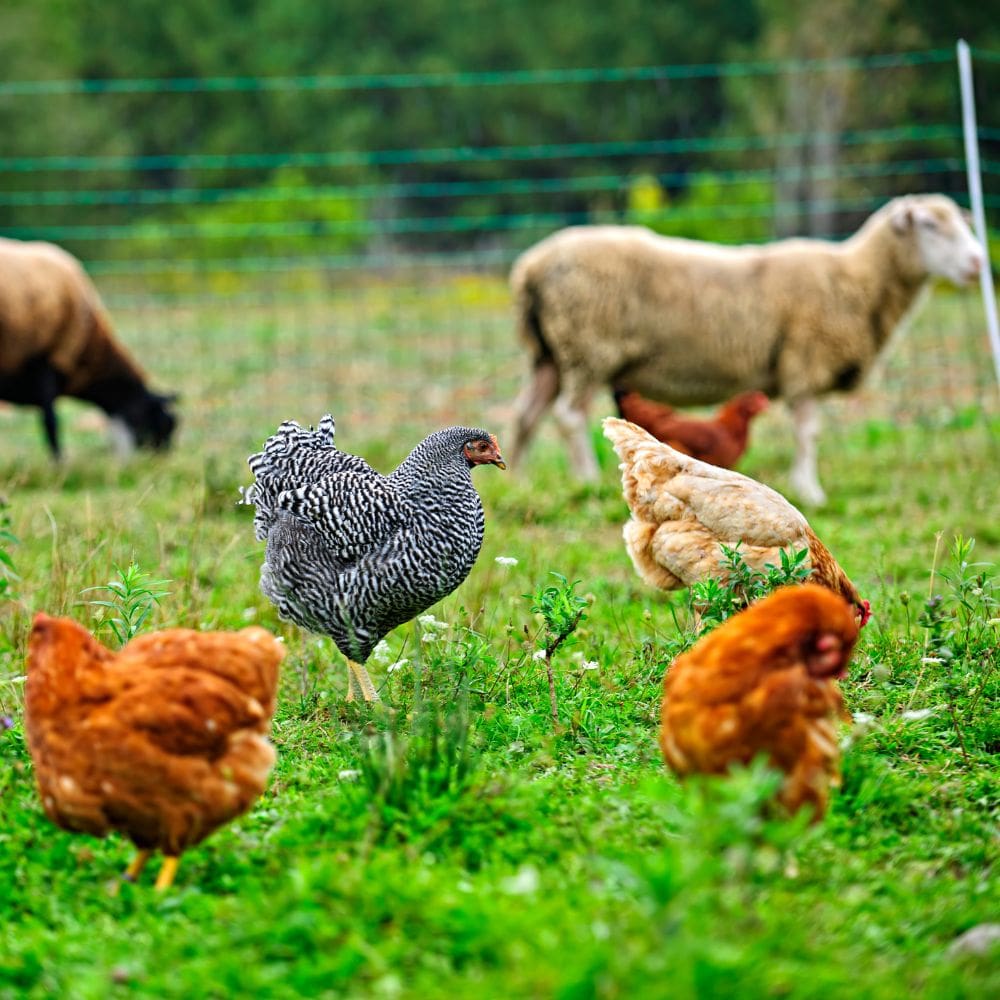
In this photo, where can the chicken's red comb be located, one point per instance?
(866, 613)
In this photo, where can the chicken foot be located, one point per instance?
(165, 879)
(359, 683)
(134, 870)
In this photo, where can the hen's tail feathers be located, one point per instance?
(647, 465)
(62, 640)
(292, 457)
(634, 444)
(828, 572)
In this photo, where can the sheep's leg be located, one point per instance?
(51, 427)
(48, 391)
(804, 476)
(570, 412)
(531, 404)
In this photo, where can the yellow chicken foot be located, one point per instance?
(360, 683)
(134, 870)
(167, 872)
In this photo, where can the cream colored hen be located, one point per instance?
(683, 509)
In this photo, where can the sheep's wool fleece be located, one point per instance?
(352, 553)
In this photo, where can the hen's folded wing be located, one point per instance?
(352, 513)
(184, 712)
(740, 509)
(248, 659)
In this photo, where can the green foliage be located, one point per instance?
(710, 602)
(412, 781)
(286, 216)
(708, 209)
(555, 861)
(132, 598)
(8, 573)
(562, 610)
(962, 638)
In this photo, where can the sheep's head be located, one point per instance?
(149, 419)
(944, 243)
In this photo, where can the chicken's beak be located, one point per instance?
(498, 461)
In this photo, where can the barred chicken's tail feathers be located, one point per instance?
(291, 458)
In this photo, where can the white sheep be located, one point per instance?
(56, 340)
(692, 323)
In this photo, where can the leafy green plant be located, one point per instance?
(411, 781)
(962, 636)
(711, 208)
(711, 602)
(7, 539)
(132, 597)
(562, 610)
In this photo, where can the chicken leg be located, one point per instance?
(134, 870)
(168, 870)
(359, 683)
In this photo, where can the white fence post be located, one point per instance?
(976, 196)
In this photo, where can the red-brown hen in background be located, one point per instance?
(764, 682)
(720, 440)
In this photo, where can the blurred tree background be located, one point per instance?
(341, 149)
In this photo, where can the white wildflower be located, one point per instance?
(916, 714)
(538, 654)
(430, 622)
(863, 718)
(524, 883)
(931, 659)
(381, 652)
(506, 561)
(590, 665)
(398, 665)
(349, 774)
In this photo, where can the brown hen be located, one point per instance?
(720, 440)
(764, 683)
(163, 741)
(683, 510)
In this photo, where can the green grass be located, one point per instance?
(456, 843)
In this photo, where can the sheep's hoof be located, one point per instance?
(808, 491)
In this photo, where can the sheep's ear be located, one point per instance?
(903, 217)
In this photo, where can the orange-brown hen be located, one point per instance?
(764, 683)
(720, 440)
(683, 510)
(163, 741)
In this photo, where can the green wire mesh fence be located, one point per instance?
(359, 264)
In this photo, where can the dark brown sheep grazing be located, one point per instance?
(56, 340)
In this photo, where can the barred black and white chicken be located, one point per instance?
(352, 553)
